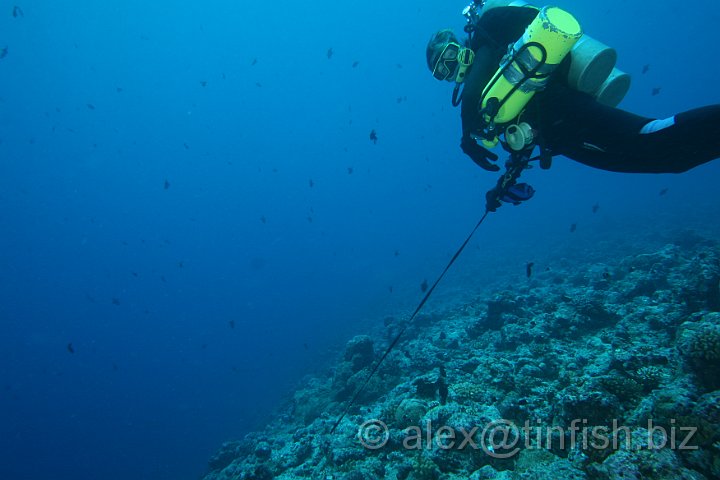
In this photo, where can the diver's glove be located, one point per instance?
(515, 194)
(492, 200)
(479, 154)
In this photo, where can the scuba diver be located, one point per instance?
(528, 77)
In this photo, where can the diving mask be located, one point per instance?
(453, 63)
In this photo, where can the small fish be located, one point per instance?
(645, 68)
(528, 269)
(115, 301)
(70, 348)
(330, 53)
(311, 183)
(3, 52)
(119, 89)
(258, 84)
(350, 170)
(91, 106)
(263, 219)
(166, 185)
(373, 136)
(232, 323)
(390, 288)
(397, 253)
(595, 208)
(17, 12)
(424, 286)
(573, 227)
(203, 83)
(606, 275)
(355, 64)
(305, 346)
(656, 91)
(254, 62)
(134, 274)
(663, 191)
(187, 147)
(181, 264)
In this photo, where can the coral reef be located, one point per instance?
(609, 370)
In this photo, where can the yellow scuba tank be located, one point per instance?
(527, 66)
(592, 64)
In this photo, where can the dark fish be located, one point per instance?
(181, 264)
(305, 346)
(119, 89)
(355, 64)
(397, 253)
(232, 323)
(3, 52)
(606, 275)
(203, 83)
(373, 136)
(134, 274)
(424, 286)
(254, 62)
(70, 348)
(390, 288)
(258, 84)
(573, 227)
(115, 301)
(645, 68)
(91, 106)
(528, 269)
(17, 12)
(263, 219)
(187, 147)
(595, 208)
(663, 191)
(350, 170)
(166, 185)
(311, 183)
(656, 91)
(330, 53)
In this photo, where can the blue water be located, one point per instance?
(177, 206)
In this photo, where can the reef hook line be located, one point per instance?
(407, 324)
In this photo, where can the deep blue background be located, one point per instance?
(101, 103)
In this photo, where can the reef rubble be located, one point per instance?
(608, 370)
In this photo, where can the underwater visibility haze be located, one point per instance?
(202, 203)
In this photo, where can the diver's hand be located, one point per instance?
(492, 202)
(479, 154)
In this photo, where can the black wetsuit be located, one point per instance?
(574, 124)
